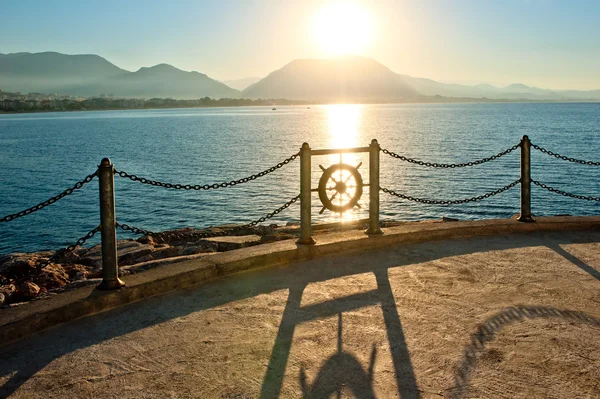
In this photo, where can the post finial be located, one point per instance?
(374, 142)
(305, 146)
(105, 162)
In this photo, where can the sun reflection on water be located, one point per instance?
(344, 122)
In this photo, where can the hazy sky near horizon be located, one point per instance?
(545, 43)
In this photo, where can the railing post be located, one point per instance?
(526, 181)
(374, 228)
(108, 226)
(305, 196)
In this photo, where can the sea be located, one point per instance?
(42, 154)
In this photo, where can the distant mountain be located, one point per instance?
(240, 84)
(348, 78)
(162, 81)
(92, 75)
(517, 91)
(51, 72)
(363, 79)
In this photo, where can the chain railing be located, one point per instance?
(214, 186)
(563, 157)
(207, 234)
(49, 201)
(108, 224)
(68, 249)
(450, 165)
(564, 193)
(450, 202)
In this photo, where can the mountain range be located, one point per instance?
(338, 79)
(92, 75)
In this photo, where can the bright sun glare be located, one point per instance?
(342, 28)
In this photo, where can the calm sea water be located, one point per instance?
(43, 154)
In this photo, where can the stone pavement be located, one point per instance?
(507, 316)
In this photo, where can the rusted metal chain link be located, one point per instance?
(557, 191)
(69, 248)
(50, 201)
(207, 186)
(450, 165)
(136, 230)
(450, 202)
(564, 158)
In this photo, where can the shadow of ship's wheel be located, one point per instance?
(340, 187)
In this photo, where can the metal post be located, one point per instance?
(108, 226)
(526, 181)
(305, 194)
(374, 189)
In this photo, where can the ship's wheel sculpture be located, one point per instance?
(340, 187)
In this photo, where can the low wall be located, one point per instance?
(32, 317)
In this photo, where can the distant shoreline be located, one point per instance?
(309, 104)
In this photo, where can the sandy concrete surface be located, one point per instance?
(500, 317)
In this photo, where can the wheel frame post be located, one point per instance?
(374, 150)
(526, 216)
(305, 196)
(108, 227)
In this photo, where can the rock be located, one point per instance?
(128, 244)
(51, 277)
(94, 262)
(168, 252)
(146, 240)
(268, 238)
(202, 249)
(2, 299)
(76, 272)
(26, 291)
(229, 243)
(8, 290)
(131, 253)
(17, 265)
(94, 252)
(291, 224)
(445, 219)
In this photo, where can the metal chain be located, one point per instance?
(450, 165)
(565, 158)
(136, 230)
(207, 186)
(450, 202)
(557, 191)
(69, 248)
(50, 201)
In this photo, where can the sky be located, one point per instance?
(545, 43)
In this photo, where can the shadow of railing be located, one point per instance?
(341, 368)
(488, 329)
(22, 360)
(575, 260)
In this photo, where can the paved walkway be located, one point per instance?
(515, 316)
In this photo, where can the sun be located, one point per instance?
(342, 28)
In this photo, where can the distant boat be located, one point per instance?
(274, 109)
(307, 107)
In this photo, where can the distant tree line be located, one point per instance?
(17, 102)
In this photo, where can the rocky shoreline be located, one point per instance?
(20, 280)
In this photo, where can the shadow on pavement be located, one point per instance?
(487, 331)
(25, 358)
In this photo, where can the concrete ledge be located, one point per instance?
(32, 317)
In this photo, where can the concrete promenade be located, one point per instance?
(503, 316)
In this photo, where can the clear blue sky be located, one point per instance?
(546, 43)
